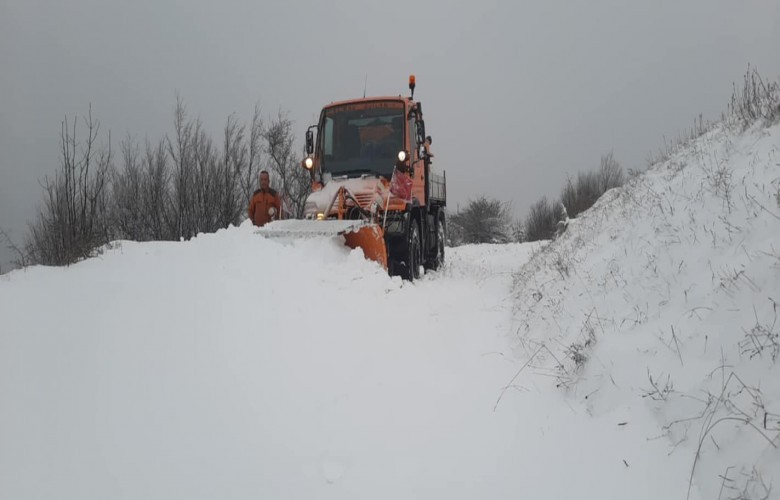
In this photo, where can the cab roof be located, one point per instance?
(401, 98)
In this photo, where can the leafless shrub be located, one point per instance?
(294, 182)
(210, 187)
(230, 202)
(127, 210)
(205, 186)
(159, 221)
(753, 487)
(202, 178)
(581, 195)
(569, 198)
(518, 231)
(21, 256)
(736, 402)
(73, 221)
(731, 279)
(660, 389)
(542, 221)
(578, 352)
(561, 264)
(755, 100)
(719, 176)
(722, 184)
(181, 151)
(250, 175)
(181, 186)
(610, 173)
(762, 337)
(482, 221)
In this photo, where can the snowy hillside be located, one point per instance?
(659, 309)
(592, 367)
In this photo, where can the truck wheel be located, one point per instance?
(441, 238)
(411, 270)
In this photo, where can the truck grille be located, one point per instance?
(365, 200)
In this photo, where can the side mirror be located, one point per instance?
(420, 132)
(309, 141)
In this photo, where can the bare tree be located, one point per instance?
(159, 218)
(542, 221)
(180, 151)
(294, 181)
(127, 210)
(610, 173)
(250, 175)
(211, 187)
(21, 256)
(145, 198)
(518, 231)
(74, 218)
(203, 184)
(234, 164)
(569, 198)
(581, 195)
(180, 186)
(588, 191)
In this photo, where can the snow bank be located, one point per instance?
(232, 366)
(661, 304)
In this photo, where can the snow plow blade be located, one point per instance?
(357, 234)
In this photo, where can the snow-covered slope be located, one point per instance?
(659, 308)
(231, 366)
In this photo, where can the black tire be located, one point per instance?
(441, 238)
(411, 267)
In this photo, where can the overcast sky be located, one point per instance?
(517, 95)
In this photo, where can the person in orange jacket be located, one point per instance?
(265, 204)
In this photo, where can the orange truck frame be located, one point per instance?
(370, 163)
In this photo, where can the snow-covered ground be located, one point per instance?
(596, 366)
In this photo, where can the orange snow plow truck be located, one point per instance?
(373, 184)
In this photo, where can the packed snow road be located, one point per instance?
(235, 367)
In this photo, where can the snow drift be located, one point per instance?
(660, 306)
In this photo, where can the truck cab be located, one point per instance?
(371, 160)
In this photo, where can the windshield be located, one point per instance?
(362, 138)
